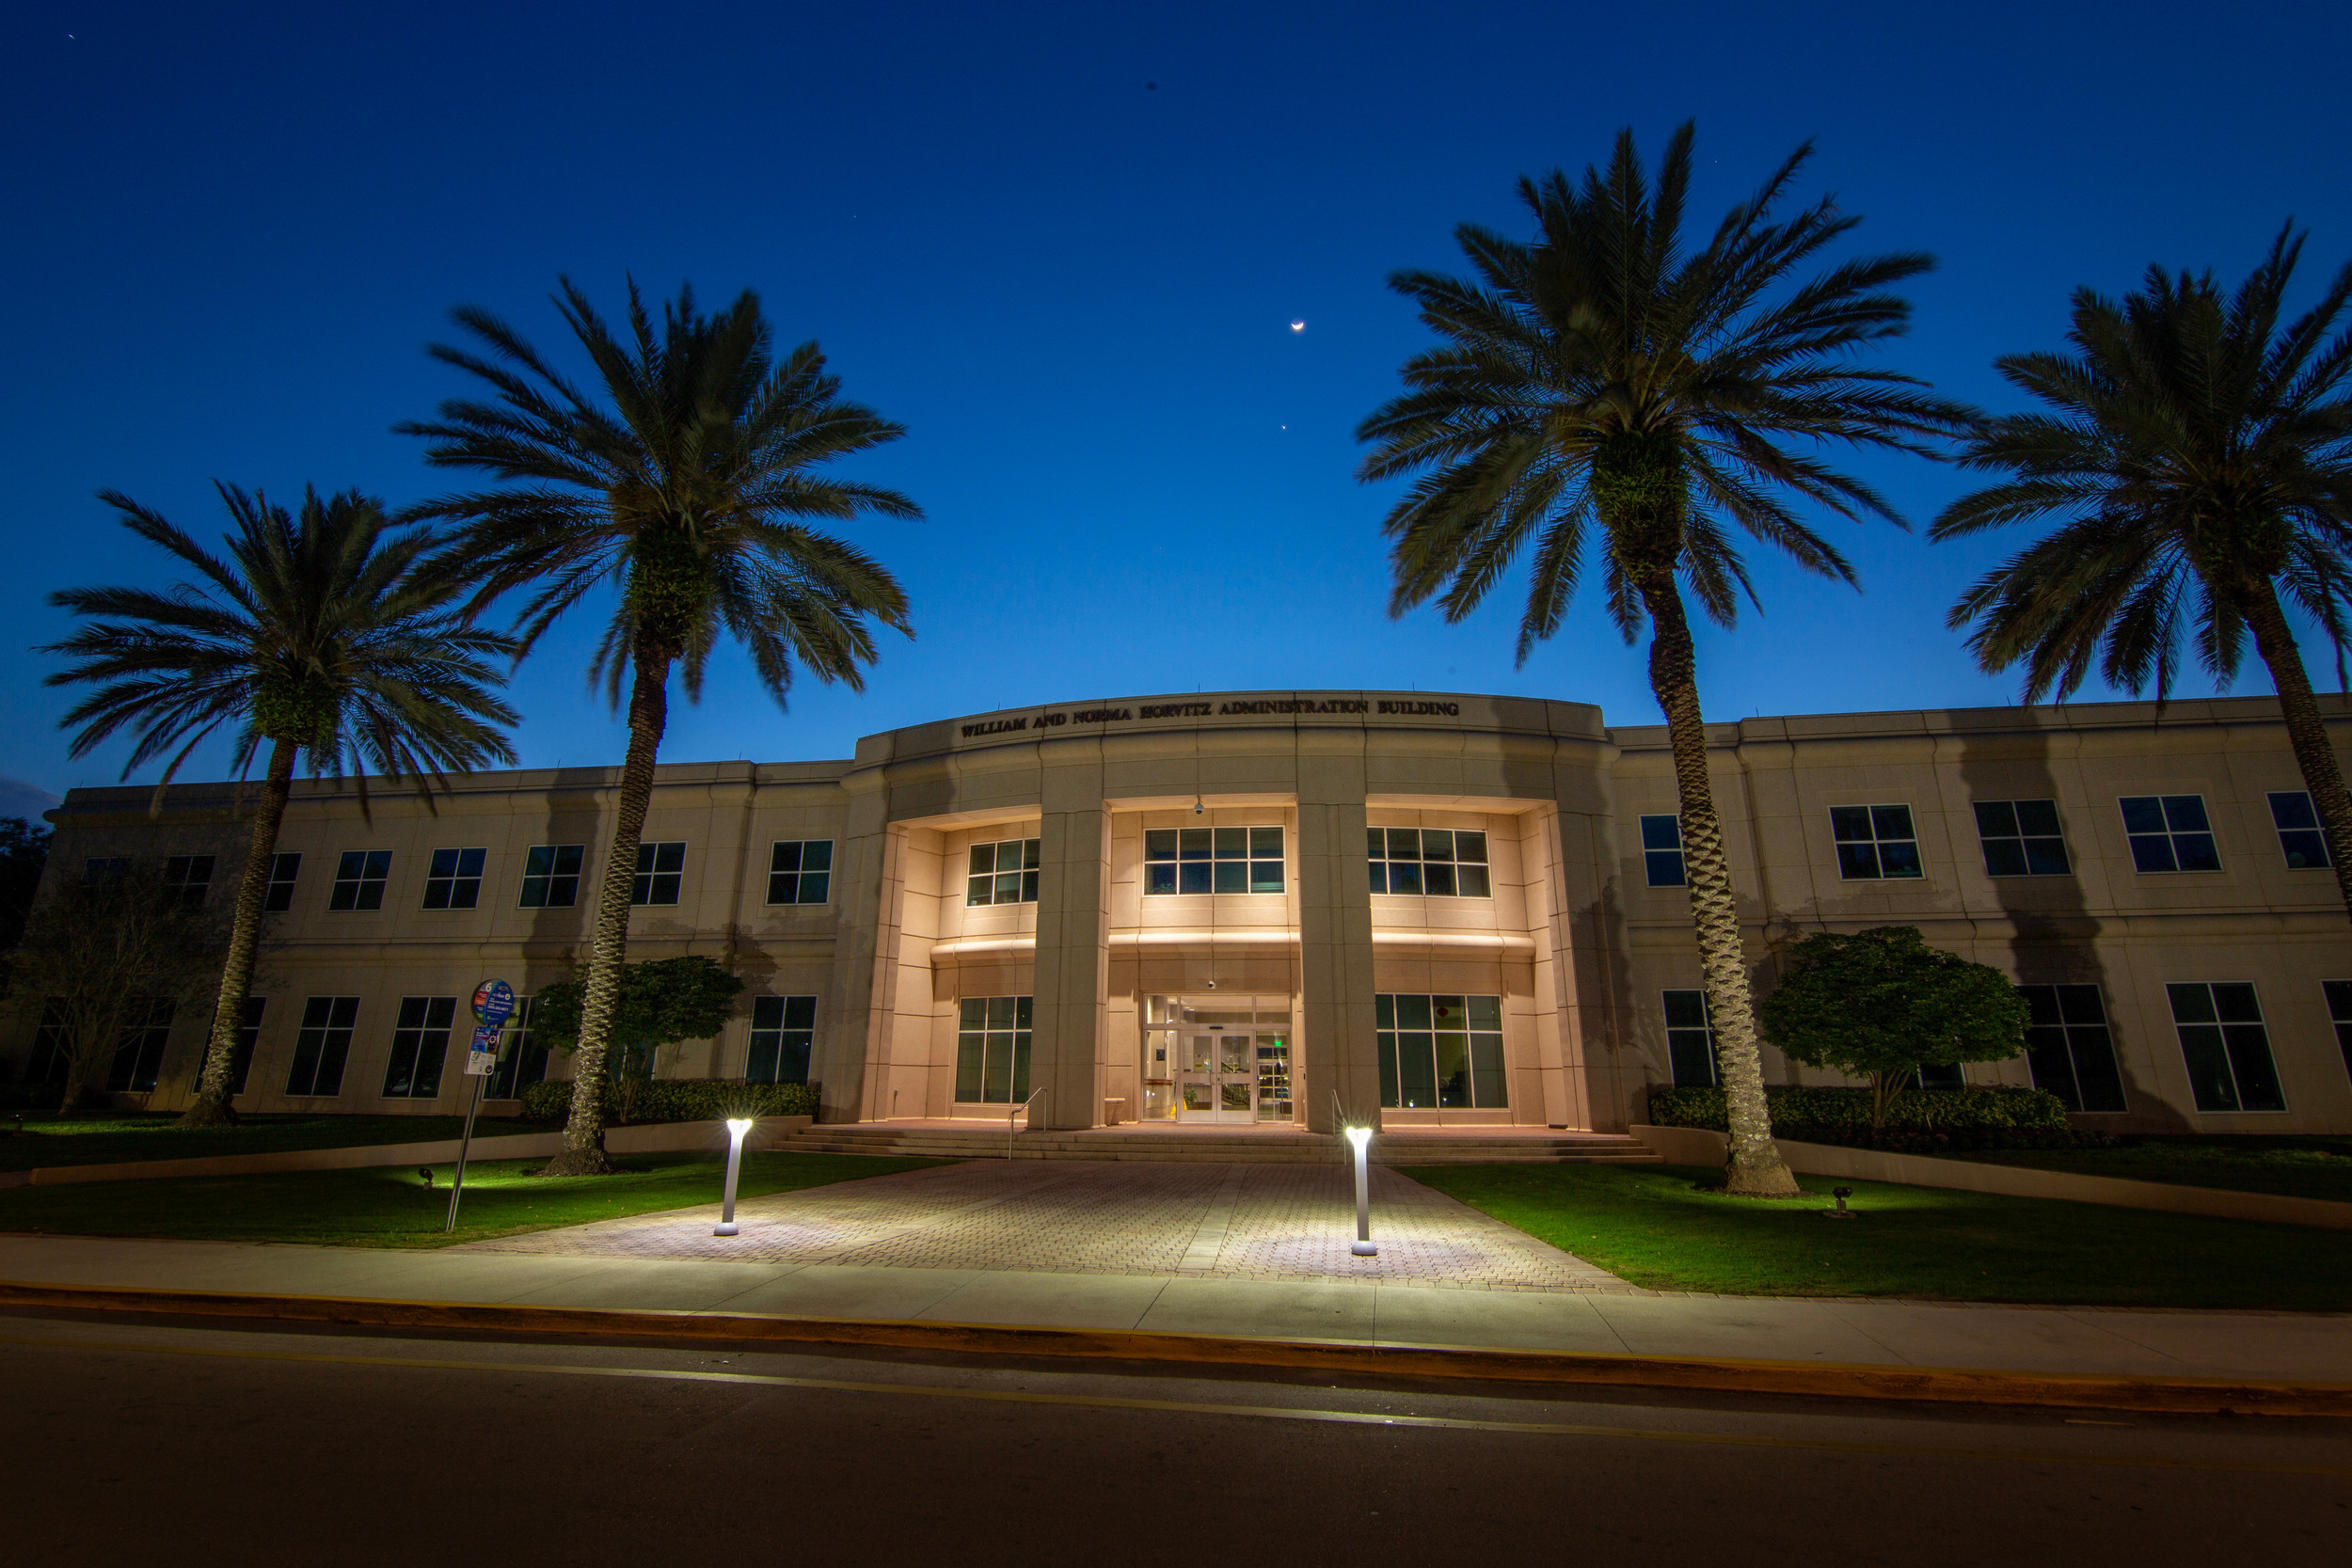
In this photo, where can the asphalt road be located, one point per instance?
(194, 1445)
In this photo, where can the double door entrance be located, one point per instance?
(1217, 1058)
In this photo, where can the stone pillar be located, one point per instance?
(1337, 1034)
(1073, 930)
(854, 1014)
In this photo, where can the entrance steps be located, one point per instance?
(1413, 1146)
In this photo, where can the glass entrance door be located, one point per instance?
(1218, 1081)
(1217, 1058)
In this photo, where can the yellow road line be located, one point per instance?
(1262, 1412)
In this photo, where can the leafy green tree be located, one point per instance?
(663, 1003)
(687, 481)
(1881, 1003)
(2194, 457)
(24, 851)
(317, 635)
(1608, 391)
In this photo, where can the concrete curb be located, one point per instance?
(1835, 1379)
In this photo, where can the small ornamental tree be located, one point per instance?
(663, 1002)
(1881, 1003)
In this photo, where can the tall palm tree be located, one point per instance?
(317, 634)
(1606, 389)
(2196, 460)
(684, 480)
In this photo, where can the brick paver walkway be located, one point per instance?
(1199, 1221)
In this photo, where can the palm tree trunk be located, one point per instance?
(583, 1135)
(2307, 732)
(1756, 1170)
(211, 1107)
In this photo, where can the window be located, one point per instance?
(51, 1060)
(1213, 860)
(2299, 838)
(190, 874)
(1874, 842)
(2069, 1048)
(782, 1030)
(1440, 1050)
(279, 894)
(552, 875)
(359, 880)
(140, 1056)
(420, 1045)
(520, 1064)
(455, 880)
(104, 868)
(2168, 832)
(993, 1050)
(2022, 838)
(800, 871)
(660, 869)
(2340, 1012)
(1662, 851)
(1691, 1039)
(249, 1037)
(2227, 1047)
(322, 1046)
(1434, 863)
(1002, 873)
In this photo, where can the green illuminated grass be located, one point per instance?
(1661, 1227)
(391, 1208)
(105, 1138)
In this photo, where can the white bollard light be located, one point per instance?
(737, 1127)
(1361, 1138)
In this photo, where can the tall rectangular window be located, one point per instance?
(419, 1046)
(248, 1039)
(2022, 838)
(993, 1050)
(322, 1046)
(1004, 872)
(1213, 860)
(1691, 1040)
(552, 875)
(189, 876)
(800, 871)
(455, 881)
(660, 868)
(2070, 1049)
(2168, 832)
(2227, 1047)
(359, 880)
(784, 1030)
(520, 1063)
(279, 896)
(1662, 851)
(2340, 1012)
(1435, 862)
(50, 1061)
(1444, 1052)
(2299, 837)
(140, 1057)
(103, 868)
(1874, 842)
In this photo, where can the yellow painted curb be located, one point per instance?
(1831, 1380)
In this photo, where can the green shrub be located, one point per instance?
(676, 1099)
(1921, 1121)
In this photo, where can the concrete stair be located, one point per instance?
(1208, 1146)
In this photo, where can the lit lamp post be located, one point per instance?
(1360, 1139)
(737, 1127)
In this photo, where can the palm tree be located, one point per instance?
(1605, 388)
(316, 634)
(686, 486)
(2197, 461)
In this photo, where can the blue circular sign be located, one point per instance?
(493, 1002)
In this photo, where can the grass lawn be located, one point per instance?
(106, 1137)
(2297, 1167)
(390, 1207)
(1660, 1227)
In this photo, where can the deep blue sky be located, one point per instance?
(227, 231)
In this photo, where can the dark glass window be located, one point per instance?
(1003, 872)
(322, 1046)
(784, 1030)
(800, 871)
(2022, 838)
(50, 1061)
(419, 1046)
(1691, 1040)
(359, 880)
(248, 1036)
(660, 868)
(552, 875)
(283, 869)
(2170, 832)
(455, 881)
(1213, 860)
(520, 1063)
(1435, 862)
(1444, 1052)
(1662, 851)
(2070, 1048)
(991, 1050)
(140, 1057)
(103, 868)
(189, 876)
(2340, 1012)
(2299, 838)
(2227, 1047)
(1874, 842)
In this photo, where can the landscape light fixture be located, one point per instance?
(426, 1171)
(737, 1127)
(1841, 1212)
(1360, 1138)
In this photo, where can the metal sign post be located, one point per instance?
(493, 1004)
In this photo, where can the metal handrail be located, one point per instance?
(1012, 1114)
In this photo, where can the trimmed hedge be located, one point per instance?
(1920, 1122)
(677, 1099)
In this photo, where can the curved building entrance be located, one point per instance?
(1219, 1058)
